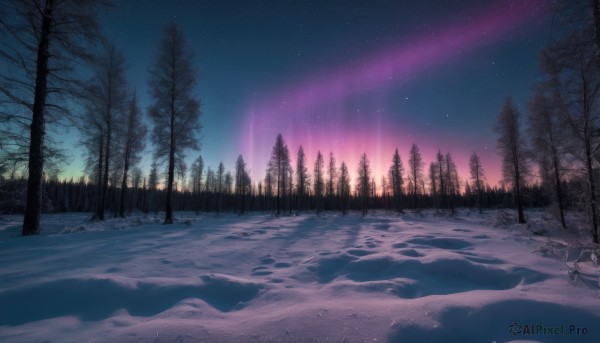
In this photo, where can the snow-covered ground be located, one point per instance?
(261, 278)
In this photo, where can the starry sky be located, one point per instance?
(347, 77)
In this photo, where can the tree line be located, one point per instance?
(62, 71)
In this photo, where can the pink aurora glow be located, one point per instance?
(317, 112)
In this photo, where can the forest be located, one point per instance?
(61, 71)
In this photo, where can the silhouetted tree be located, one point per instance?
(278, 168)
(331, 180)
(363, 184)
(452, 185)
(397, 180)
(176, 110)
(415, 166)
(41, 45)
(511, 149)
(548, 140)
(242, 182)
(344, 187)
(433, 183)
(319, 185)
(134, 145)
(478, 178)
(302, 179)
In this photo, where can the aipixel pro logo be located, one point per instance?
(537, 329)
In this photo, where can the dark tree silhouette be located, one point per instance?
(242, 182)
(452, 185)
(344, 187)
(548, 140)
(46, 41)
(319, 185)
(478, 178)
(302, 179)
(176, 110)
(397, 180)
(415, 166)
(363, 184)
(433, 184)
(135, 138)
(278, 168)
(331, 180)
(512, 151)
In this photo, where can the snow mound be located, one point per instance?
(94, 299)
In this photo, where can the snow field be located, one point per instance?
(261, 278)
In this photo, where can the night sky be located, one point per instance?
(343, 76)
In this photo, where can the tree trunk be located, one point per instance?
(124, 187)
(592, 190)
(99, 180)
(170, 178)
(33, 207)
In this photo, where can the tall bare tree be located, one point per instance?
(548, 140)
(511, 148)
(176, 109)
(106, 96)
(477, 177)
(415, 166)
(41, 42)
(135, 138)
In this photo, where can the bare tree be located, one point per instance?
(415, 165)
(105, 95)
(176, 110)
(41, 42)
(433, 184)
(153, 181)
(135, 137)
(548, 140)
(478, 178)
(319, 185)
(511, 148)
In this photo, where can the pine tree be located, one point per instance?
(331, 180)
(397, 180)
(302, 179)
(363, 186)
(278, 169)
(344, 187)
(319, 185)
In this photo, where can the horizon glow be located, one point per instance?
(320, 112)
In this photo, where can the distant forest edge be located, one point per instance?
(55, 55)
